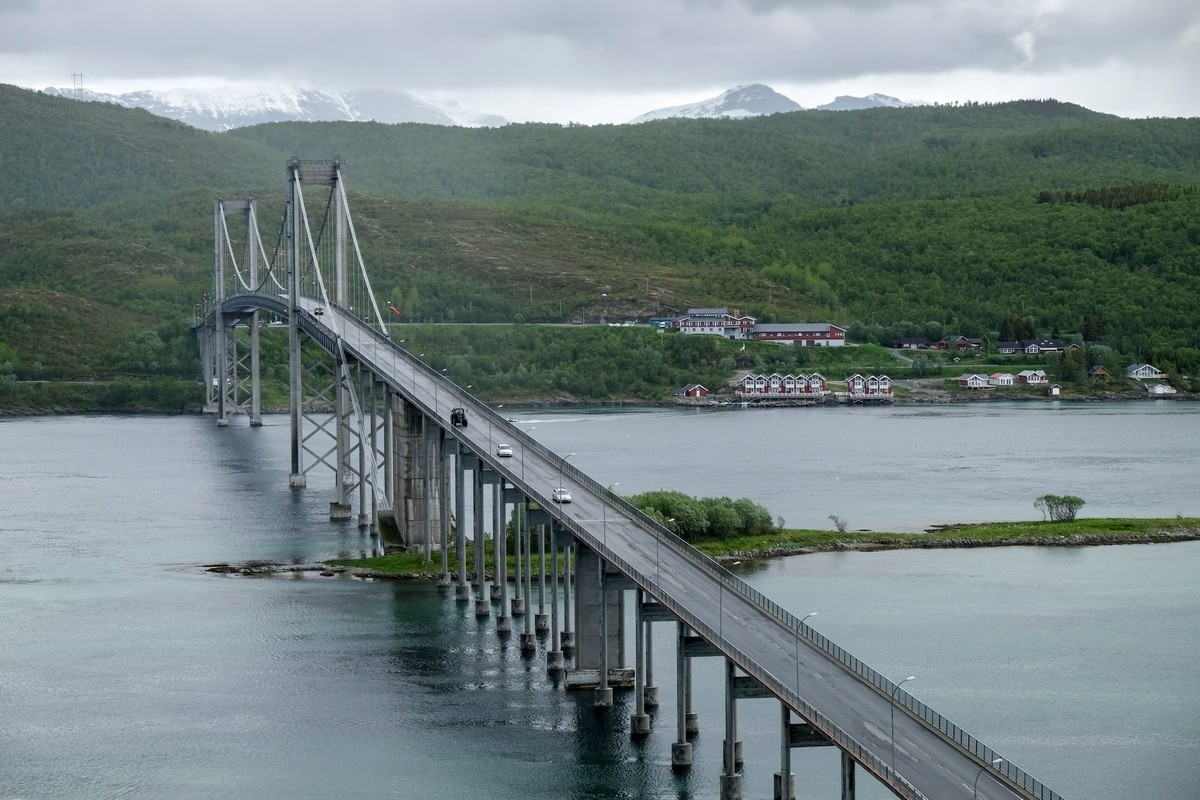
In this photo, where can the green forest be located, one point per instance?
(981, 219)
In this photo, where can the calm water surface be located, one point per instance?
(126, 671)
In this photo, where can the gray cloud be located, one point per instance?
(611, 48)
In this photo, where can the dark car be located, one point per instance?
(458, 417)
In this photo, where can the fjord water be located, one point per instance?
(128, 671)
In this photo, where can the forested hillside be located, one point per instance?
(912, 221)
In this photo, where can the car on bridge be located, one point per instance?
(561, 495)
(504, 451)
(458, 417)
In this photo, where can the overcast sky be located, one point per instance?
(602, 61)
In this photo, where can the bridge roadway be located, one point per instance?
(845, 700)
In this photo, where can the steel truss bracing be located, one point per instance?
(315, 268)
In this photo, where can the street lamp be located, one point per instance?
(604, 511)
(806, 616)
(562, 461)
(975, 791)
(893, 710)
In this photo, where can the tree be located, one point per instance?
(1059, 508)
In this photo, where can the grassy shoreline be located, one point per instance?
(1077, 533)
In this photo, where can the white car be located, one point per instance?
(561, 495)
(504, 451)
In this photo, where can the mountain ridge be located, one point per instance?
(222, 109)
(225, 108)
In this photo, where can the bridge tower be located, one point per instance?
(231, 354)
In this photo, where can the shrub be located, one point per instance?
(1059, 508)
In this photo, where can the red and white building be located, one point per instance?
(717, 321)
(805, 334)
(1031, 376)
(973, 380)
(783, 386)
(869, 386)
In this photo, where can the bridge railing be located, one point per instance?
(664, 537)
(781, 687)
(864, 671)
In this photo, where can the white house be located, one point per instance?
(1001, 379)
(716, 321)
(1160, 388)
(1143, 372)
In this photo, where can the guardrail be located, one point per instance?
(804, 633)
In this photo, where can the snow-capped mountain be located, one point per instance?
(220, 109)
(754, 100)
(844, 102)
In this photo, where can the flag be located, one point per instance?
(394, 310)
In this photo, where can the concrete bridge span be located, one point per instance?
(393, 443)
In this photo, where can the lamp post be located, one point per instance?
(975, 790)
(893, 711)
(806, 616)
(562, 461)
(604, 512)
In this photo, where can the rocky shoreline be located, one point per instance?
(266, 569)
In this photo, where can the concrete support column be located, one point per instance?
(541, 620)
(518, 601)
(568, 633)
(365, 515)
(604, 693)
(599, 619)
(731, 779)
(255, 368)
(847, 776)
(409, 501)
(498, 576)
(785, 779)
(462, 589)
(639, 723)
(681, 748)
(554, 654)
(503, 618)
(528, 638)
(449, 450)
(649, 690)
(339, 506)
(483, 594)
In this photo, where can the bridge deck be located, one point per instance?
(852, 706)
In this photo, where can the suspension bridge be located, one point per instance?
(380, 420)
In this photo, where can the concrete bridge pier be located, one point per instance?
(785, 779)
(568, 633)
(483, 592)
(500, 549)
(681, 748)
(528, 638)
(518, 504)
(554, 653)
(639, 722)
(649, 690)
(599, 623)
(847, 776)
(418, 461)
(255, 357)
(449, 450)
(604, 693)
(541, 620)
(466, 461)
(731, 779)
(343, 477)
(499, 568)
